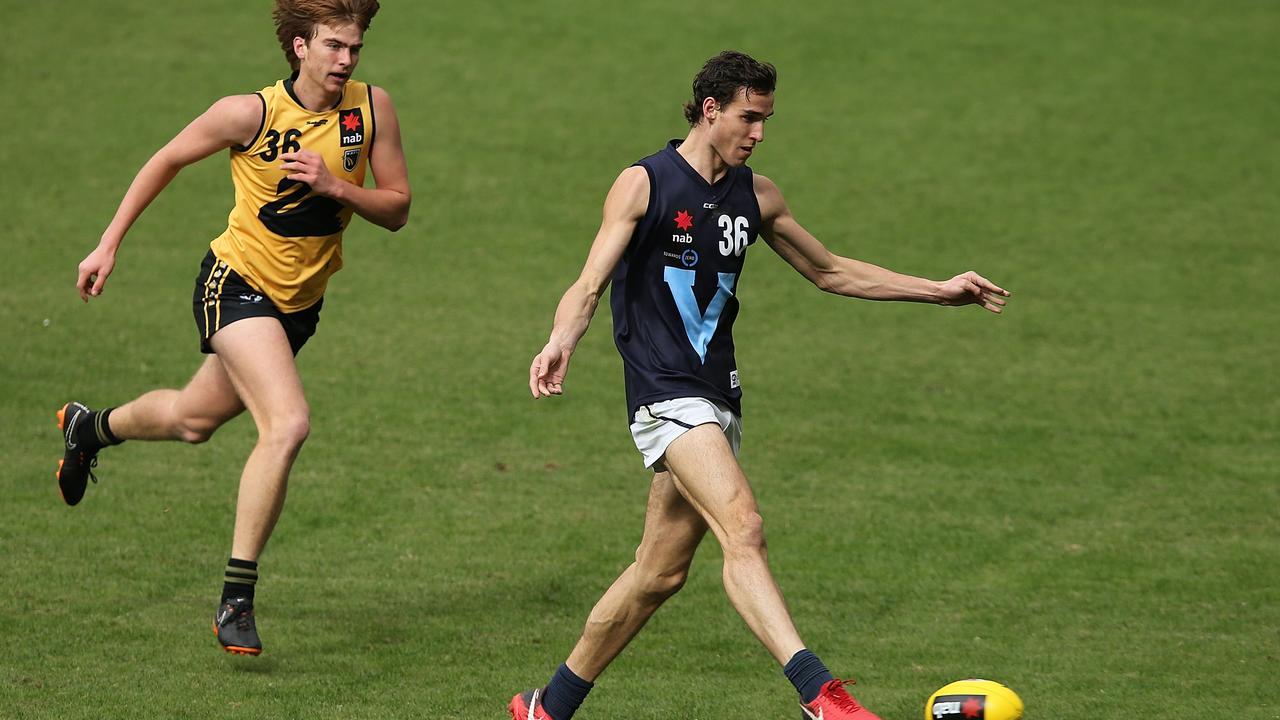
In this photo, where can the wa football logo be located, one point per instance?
(352, 123)
(350, 157)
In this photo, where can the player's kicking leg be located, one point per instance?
(259, 362)
(708, 475)
(672, 531)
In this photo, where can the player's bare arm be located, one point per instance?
(386, 204)
(854, 278)
(623, 208)
(230, 121)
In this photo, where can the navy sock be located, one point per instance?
(565, 692)
(807, 673)
(240, 579)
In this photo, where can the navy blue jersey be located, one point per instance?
(674, 291)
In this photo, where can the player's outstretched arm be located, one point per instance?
(854, 278)
(230, 121)
(623, 208)
(386, 204)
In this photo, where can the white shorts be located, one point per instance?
(657, 425)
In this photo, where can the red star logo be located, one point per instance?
(684, 220)
(350, 121)
(972, 708)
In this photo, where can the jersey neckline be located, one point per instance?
(288, 88)
(674, 145)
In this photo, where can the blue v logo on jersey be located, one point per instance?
(698, 326)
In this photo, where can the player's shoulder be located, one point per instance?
(633, 177)
(247, 103)
(768, 196)
(240, 115)
(629, 195)
(763, 184)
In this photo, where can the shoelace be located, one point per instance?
(242, 620)
(841, 697)
(93, 463)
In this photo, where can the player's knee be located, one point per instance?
(291, 429)
(197, 430)
(746, 534)
(660, 585)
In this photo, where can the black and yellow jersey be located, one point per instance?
(282, 237)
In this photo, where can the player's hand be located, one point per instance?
(972, 289)
(546, 373)
(308, 167)
(94, 271)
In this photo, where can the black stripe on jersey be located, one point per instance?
(684, 425)
(262, 125)
(288, 87)
(373, 123)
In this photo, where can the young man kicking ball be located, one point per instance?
(674, 236)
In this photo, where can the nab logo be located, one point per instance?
(352, 122)
(683, 221)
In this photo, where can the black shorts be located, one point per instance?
(222, 297)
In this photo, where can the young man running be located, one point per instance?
(673, 239)
(299, 150)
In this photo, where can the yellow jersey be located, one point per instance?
(284, 239)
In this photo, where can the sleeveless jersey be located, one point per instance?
(674, 291)
(281, 237)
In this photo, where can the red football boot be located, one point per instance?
(527, 706)
(835, 703)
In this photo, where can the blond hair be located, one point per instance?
(299, 18)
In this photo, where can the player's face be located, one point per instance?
(331, 56)
(739, 126)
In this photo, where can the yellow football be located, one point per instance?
(973, 699)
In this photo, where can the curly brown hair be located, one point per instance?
(299, 18)
(721, 77)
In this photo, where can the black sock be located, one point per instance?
(807, 673)
(565, 692)
(239, 580)
(98, 430)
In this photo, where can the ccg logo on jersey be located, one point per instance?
(352, 125)
(959, 707)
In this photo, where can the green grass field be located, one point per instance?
(1078, 498)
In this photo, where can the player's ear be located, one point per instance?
(300, 48)
(710, 108)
